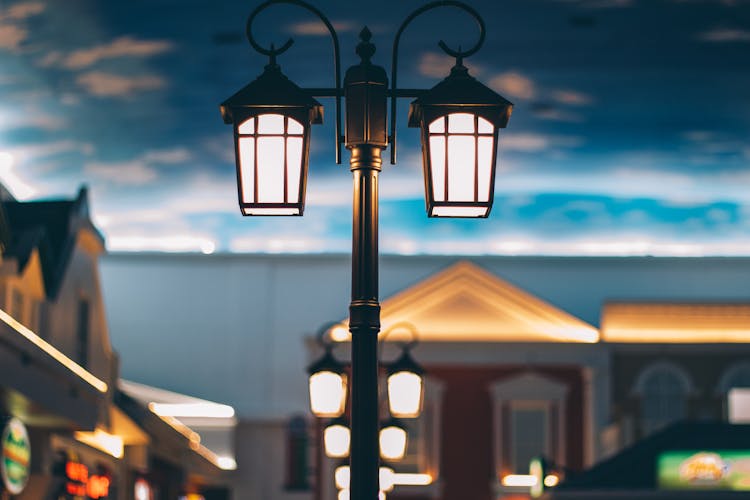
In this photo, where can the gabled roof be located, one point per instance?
(51, 226)
(465, 303)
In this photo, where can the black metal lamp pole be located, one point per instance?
(272, 114)
(365, 87)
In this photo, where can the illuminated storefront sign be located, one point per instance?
(16, 456)
(704, 470)
(81, 484)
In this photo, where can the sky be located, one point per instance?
(630, 133)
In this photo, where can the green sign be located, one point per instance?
(704, 470)
(16, 456)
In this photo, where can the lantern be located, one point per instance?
(272, 118)
(327, 384)
(405, 387)
(393, 440)
(459, 118)
(337, 438)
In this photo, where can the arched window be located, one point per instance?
(734, 387)
(663, 389)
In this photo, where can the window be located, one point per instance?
(82, 338)
(663, 389)
(530, 434)
(734, 386)
(528, 421)
(297, 449)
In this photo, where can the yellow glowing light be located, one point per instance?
(340, 333)
(192, 410)
(519, 480)
(71, 365)
(551, 481)
(405, 394)
(102, 441)
(412, 479)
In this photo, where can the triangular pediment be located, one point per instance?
(465, 303)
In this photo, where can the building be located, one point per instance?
(571, 358)
(68, 430)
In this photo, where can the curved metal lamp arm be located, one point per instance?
(458, 54)
(403, 325)
(272, 52)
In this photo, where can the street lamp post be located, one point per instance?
(459, 118)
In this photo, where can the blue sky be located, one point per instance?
(630, 134)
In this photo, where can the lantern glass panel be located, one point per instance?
(405, 394)
(270, 149)
(461, 152)
(392, 442)
(386, 479)
(327, 393)
(337, 439)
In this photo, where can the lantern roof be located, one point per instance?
(272, 90)
(459, 91)
(405, 363)
(326, 363)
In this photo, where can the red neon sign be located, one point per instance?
(81, 484)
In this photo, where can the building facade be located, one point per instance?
(570, 358)
(68, 431)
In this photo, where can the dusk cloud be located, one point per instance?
(725, 35)
(103, 84)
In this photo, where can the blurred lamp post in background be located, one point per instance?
(459, 120)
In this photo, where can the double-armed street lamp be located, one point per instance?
(459, 120)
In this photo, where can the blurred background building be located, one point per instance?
(573, 359)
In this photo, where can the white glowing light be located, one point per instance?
(342, 477)
(405, 394)
(340, 333)
(226, 463)
(392, 443)
(196, 410)
(327, 394)
(519, 480)
(337, 439)
(412, 479)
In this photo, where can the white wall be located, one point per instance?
(229, 328)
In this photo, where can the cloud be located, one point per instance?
(128, 172)
(21, 11)
(103, 84)
(571, 97)
(120, 47)
(12, 35)
(529, 142)
(513, 84)
(436, 65)
(725, 35)
(601, 4)
(168, 156)
(317, 28)
(138, 171)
